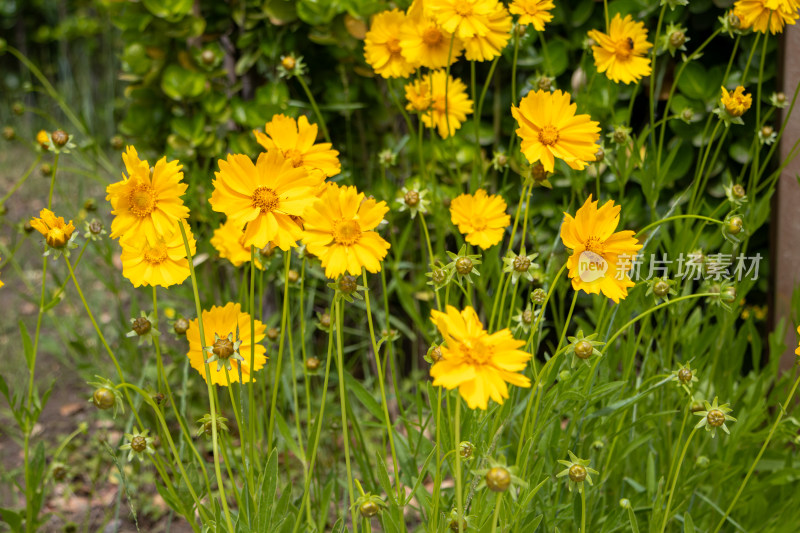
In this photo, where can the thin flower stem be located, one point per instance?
(314, 106)
(343, 400)
(385, 404)
(496, 515)
(431, 257)
(675, 480)
(514, 75)
(238, 415)
(251, 404)
(171, 398)
(459, 500)
(781, 414)
(652, 102)
(437, 479)
(547, 66)
(209, 385)
(583, 510)
(676, 217)
(284, 320)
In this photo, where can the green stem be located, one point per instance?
(314, 106)
(343, 399)
(459, 500)
(251, 404)
(212, 405)
(781, 414)
(284, 319)
(583, 510)
(675, 480)
(497, 505)
(676, 217)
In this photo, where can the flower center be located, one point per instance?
(463, 8)
(265, 199)
(223, 348)
(347, 232)
(393, 45)
(624, 48)
(478, 222)
(155, 255)
(294, 156)
(595, 245)
(142, 200)
(548, 135)
(577, 473)
(521, 263)
(475, 353)
(56, 237)
(432, 36)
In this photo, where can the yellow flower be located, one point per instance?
(160, 261)
(56, 232)
(43, 139)
(481, 217)
(147, 203)
(535, 12)
(488, 46)
(339, 230)
(620, 54)
(382, 48)
(295, 139)
(428, 96)
(736, 102)
(228, 240)
(424, 43)
(464, 18)
(760, 15)
(266, 199)
(476, 363)
(218, 324)
(549, 128)
(600, 258)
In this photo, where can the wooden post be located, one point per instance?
(786, 233)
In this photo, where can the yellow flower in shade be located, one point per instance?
(424, 43)
(57, 233)
(43, 139)
(443, 109)
(763, 15)
(464, 18)
(534, 12)
(228, 240)
(621, 53)
(160, 261)
(601, 257)
(797, 351)
(549, 128)
(488, 46)
(339, 229)
(481, 217)
(478, 364)
(147, 203)
(224, 328)
(266, 198)
(295, 139)
(382, 48)
(736, 102)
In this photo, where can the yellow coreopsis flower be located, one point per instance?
(266, 199)
(228, 240)
(489, 45)
(339, 229)
(481, 217)
(464, 18)
(161, 261)
(57, 233)
(763, 15)
(549, 128)
(478, 364)
(382, 48)
(147, 203)
(621, 52)
(228, 341)
(535, 12)
(425, 43)
(295, 139)
(601, 257)
(43, 139)
(441, 100)
(736, 103)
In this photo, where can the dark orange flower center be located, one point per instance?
(463, 8)
(475, 353)
(624, 48)
(142, 200)
(155, 255)
(548, 135)
(594, 244)
(478, 222)
(347, 232)
(393, 45)
(432, 36)
(265, 199)
(294, 156)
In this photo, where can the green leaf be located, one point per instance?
(688, 523)
(366, 399)
(383, 479)
(12, 518)
(169, 9)
(267, 485)
(179, 83)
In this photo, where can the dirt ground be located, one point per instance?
(87, 496)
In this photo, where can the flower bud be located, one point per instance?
(348, 284)
(521, 263)
(780, 98)
(538, 296)
(60, 138)
(527, 316)
(766, 131)
(272, 334)
(325, 320)
(411, 198)
(584, 349)
(599, 155)
(728, 294)
(46, 170)
(207, 57)
(9, 133)
(288, 62)
(685, 375)
(436, 354)
(117, 142)
(677, 39)
(625, 503)
(738, 191)
(538, 173)
(734, 21)
(312, 364)
(661, 288)
(466, 449)
(464, 265)
(687, 114)
(103, 398)
(369, 509)
(439, 276)
(181, 326)
(715, 418)
(141, 326)
(545, 83)
(703, 461)
(577, 473)
(293, 276)
(138, 444)
(95, 227)
(498, 479)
